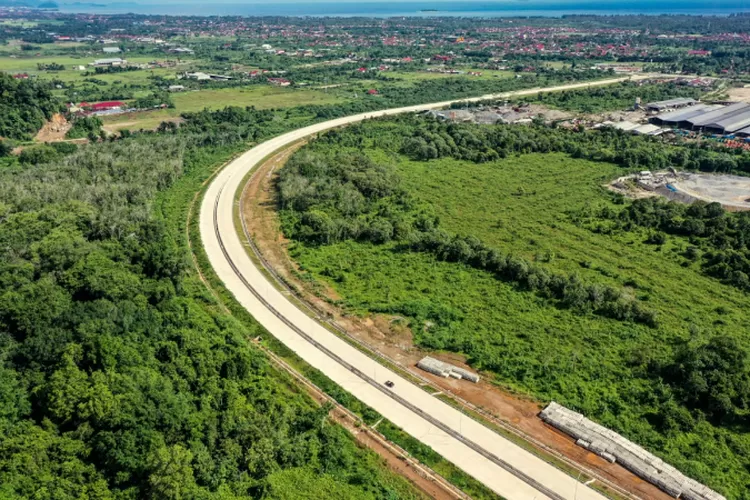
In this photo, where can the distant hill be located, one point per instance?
(29, 4)
(16, 3)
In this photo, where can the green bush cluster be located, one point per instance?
(435, 139)
(614, 97)
(119, 378)
(85, 126)
(332, 194)
(719, 239)
(570, 290)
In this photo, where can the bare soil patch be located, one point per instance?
(739, 94)
(54, 130)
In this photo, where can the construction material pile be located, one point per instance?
(442, 369)
(615, 448)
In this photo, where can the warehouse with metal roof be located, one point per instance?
(674, 118)
(720, 115)
(679, 102)
(733, 123)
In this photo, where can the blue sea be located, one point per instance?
(471, 8)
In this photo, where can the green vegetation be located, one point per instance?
(261, 97)
(24, 107)
(718, 238)
(120, 376)
(611, 98)
(85, 127)
(355, 201)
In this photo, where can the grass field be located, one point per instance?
(417, 76)
(28, 65)
(530, 205)
(264, 97)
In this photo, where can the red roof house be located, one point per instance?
(101, 106)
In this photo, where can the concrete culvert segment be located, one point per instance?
(615, 448)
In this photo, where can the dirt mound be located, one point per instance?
(54, 130)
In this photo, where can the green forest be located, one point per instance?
(499, 243)
(120, 375)
(24, 107)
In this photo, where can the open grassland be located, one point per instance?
(28, 63)
(532, 206)
(265, 97)
(262, 97)
(417, 76)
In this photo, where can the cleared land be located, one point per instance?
(262, 97)
(731, 191)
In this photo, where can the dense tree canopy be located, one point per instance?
(117, 378)
(24, 106)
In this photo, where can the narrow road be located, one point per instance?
(501, 465)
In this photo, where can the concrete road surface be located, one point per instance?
(504, 467)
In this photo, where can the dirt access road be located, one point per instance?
(501, 465)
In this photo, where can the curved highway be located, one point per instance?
(501, 465)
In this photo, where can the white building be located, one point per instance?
(112, 61)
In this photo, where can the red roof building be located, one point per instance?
(372, 92)
(101, 106)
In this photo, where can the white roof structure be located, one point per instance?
(625, 125)
(679, 102)
(648, 129)
(675, 117)
(731, 123)
(437, 367)
(111, 60)
(719, 114)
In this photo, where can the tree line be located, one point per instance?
(25, 106)
(330, 193)
(478, 143)
(718, 240)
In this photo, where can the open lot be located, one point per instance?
(425, 75)
(260, 96)
(731, 191)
